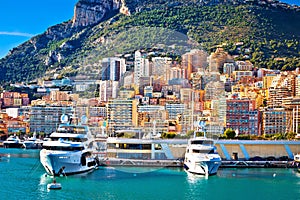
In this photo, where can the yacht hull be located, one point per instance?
(32, 145)
(12, 145)
(297, 161)
(203, 167)
(201, 157)
(67, 163)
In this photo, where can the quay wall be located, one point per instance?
(246, 149)
(178, 151)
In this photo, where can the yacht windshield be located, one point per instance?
(203, 142)
(206, 151)
(60, 148)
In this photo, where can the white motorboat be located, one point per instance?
(66, 152)
(12, 142)
(33, 143)
(201, 157)
(54, 185)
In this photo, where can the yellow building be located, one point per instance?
(122, 114)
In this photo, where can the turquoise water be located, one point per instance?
(23, 177)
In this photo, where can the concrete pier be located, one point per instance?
(247, 149)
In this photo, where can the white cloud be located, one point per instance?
(16, 34)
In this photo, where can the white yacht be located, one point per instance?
(201, 157)
(12, 142)
(297, 161)
(33, 143)
(66, 152)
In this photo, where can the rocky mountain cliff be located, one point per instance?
(268, 29)
(89, 12)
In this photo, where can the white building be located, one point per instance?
(108, 89)
(141, 67)
(161, 66)
(113, 68)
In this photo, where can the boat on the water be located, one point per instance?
(66, 152)
(201, 157)
(12, 141)
(297, 161)
(54, 185)
(33, 143)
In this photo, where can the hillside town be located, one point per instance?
(160, 95)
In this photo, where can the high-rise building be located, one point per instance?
(113, 68)
(47, 118)
(238, 75)
(229, 68)
(175, 73)
(242, 117)
(121, 114)
(161, 66)
(108, 89)
(277, 120)
(244, 65)
(193, 61)
(141, 67)
(175, 109)
(217, 60)
(214, 90)
(14, 99)
(282, 86)
(297, 85)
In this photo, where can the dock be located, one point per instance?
(178, 163)
(234, 153)
(141, 163)
(257, 164)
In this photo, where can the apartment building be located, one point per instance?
(121, 114)
(113, 68)
(141, 67)
(242, 117)
(276, 120)
(13, 99)
(47, 118)
(175, 109)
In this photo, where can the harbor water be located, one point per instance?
(23, 177)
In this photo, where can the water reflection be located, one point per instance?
(194, 178)
(4, 157)
(136, 170)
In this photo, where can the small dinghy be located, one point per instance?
(54, 185)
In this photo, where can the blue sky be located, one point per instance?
(22, 19)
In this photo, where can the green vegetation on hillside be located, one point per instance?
(267, 36)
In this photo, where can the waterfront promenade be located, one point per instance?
(234, 153)
(247, 149)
